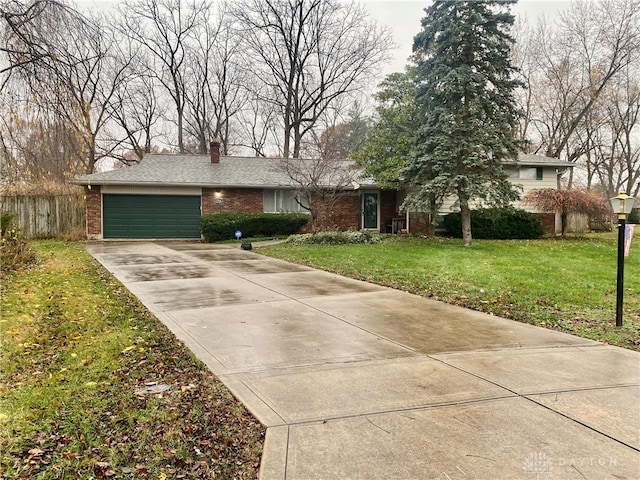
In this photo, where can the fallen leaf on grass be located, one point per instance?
(152, 389)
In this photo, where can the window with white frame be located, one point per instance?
(283, 201)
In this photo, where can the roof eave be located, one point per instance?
(130, 183)
(525, 163)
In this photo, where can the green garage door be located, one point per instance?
(151, 216)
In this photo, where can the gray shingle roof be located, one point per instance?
(247, 172)
(541, 161)
(198, 171)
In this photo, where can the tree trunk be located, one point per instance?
(465, 214)
(287, 138)
(180, 129)
(563, 224)
(297, 142)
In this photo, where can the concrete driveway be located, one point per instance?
(358, 381)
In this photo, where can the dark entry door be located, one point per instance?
(370, 211)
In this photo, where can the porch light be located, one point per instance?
(622, 206)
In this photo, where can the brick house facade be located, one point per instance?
(231, 200)
(171, 191)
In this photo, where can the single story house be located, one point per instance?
(164, 195)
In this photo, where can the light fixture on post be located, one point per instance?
(622, 206)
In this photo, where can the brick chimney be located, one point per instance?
(214, 148)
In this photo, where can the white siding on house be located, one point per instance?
(549, 180)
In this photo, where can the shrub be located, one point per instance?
(634, 216)
(15, 251)
(498, 224)
(335, 238)
(222, 226)
(6, 221)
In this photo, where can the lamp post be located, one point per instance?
(622, 205)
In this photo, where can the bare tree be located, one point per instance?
(92, 84)
(30, 34)
(616, 140)
(136, 111)
(257, 122)
(35, 143)
(74, 84)
(321, 183)
(575, 61)
(312, 53)
(35, 146)
(164, 28)
(524, 59)
(215, 92)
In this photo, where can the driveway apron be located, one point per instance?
(358, 381)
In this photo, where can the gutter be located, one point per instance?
(89, 183)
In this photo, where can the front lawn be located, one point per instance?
(568, 285)
(94, 386)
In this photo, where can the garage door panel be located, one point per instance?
(151, 216)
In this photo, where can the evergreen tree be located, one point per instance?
(390, 142)
(467, 115)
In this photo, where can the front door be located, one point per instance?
(370, 207)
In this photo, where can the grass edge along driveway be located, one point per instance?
(78, 351)
(563, 284)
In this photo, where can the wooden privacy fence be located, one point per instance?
(45, 216)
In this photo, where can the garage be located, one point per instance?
(151, 216)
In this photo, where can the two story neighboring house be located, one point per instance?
(165, 195)
(531, 172)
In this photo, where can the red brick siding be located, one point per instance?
(231, 200)
(94, 211)
(387, 209)
(548, 221)
(347, 212)
(344, 215)
(419, 223)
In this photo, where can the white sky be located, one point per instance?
(403, 17)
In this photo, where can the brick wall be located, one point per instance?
(94, 212)
(388, 209)
(419, 223)
(344, 215)
(548, 222)
(231, 200)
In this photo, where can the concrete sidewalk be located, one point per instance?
(358, 381)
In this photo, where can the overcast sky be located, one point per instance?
(403, 17)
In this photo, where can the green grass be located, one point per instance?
(75, 348)
(568, 285)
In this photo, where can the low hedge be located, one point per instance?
(336, 238)
(497, 224)
(223, 226)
